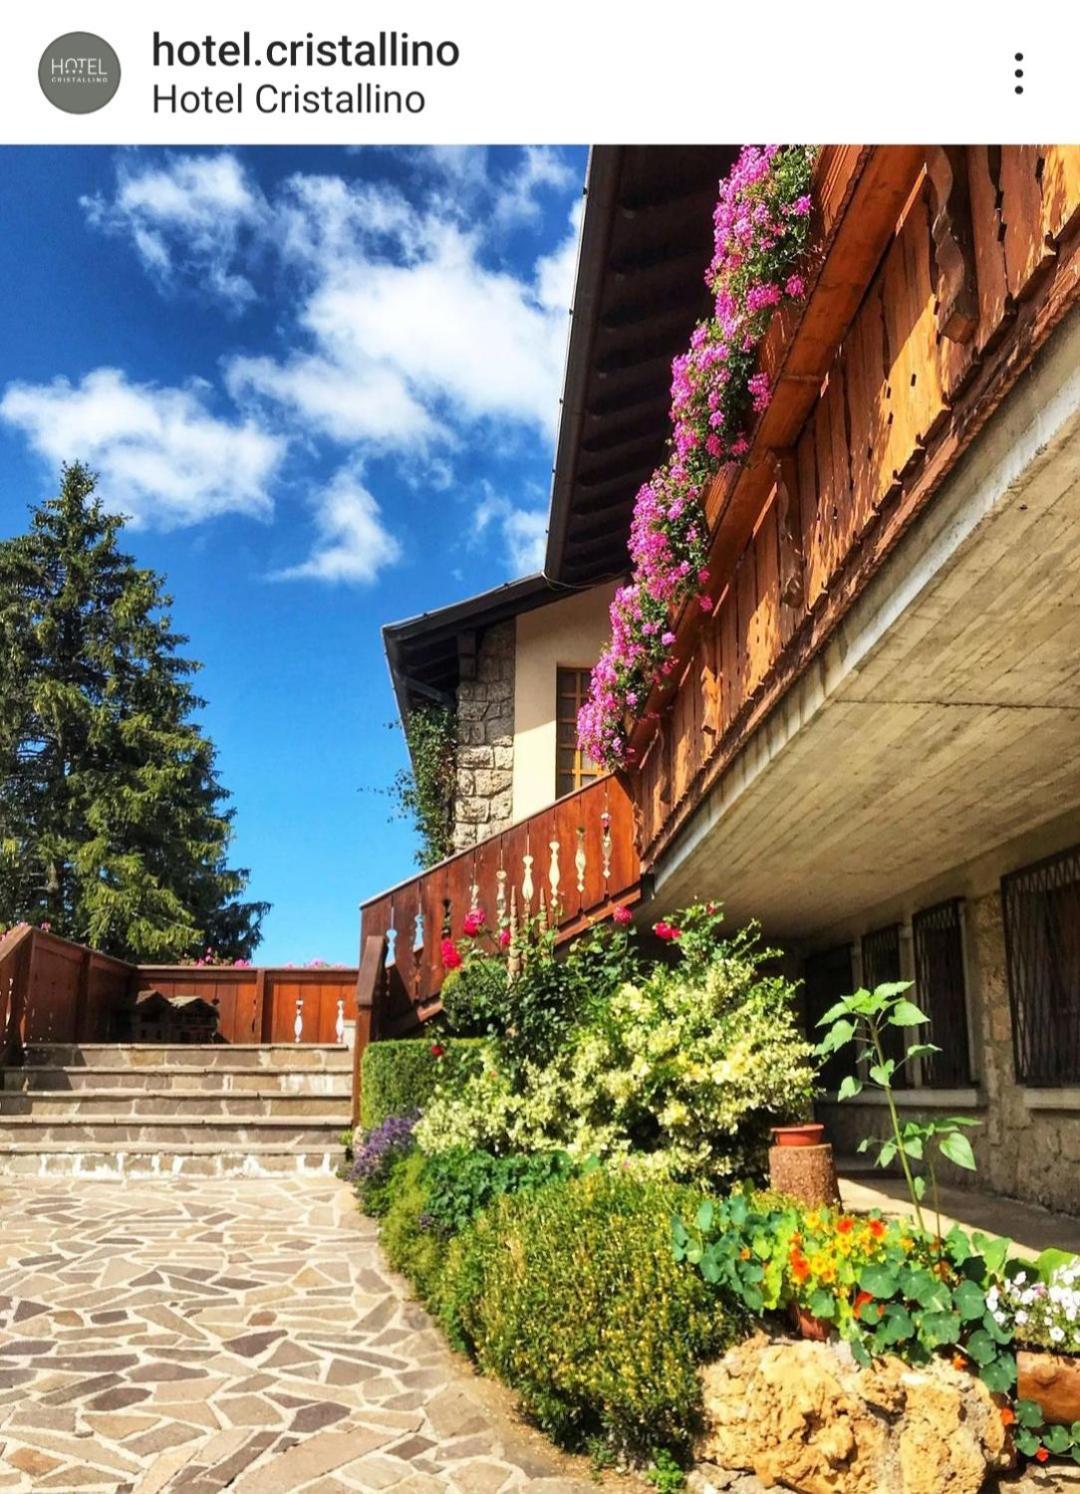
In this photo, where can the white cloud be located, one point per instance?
(523, 530)
(188, 216)
(541, 167)
(163, 457)
(352, 544)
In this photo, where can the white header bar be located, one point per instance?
(564, 71)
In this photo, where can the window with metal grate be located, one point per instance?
(826, 977)
(1041, 907)
(938, 935)
(881, 964)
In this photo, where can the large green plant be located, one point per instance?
(424, 791)
(114, 828)
(571, 1296)
(399, 1076)
(687, 1068)
(862, 1023)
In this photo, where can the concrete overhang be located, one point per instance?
(943, 720)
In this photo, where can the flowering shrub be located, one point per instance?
(386, 1144)
(1042, 1313)
(685, 1068)
(761, 224)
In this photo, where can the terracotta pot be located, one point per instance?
(812, 1134)
(807, 1326)
(1052, 1381)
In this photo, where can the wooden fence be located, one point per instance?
(54, 991)
(572, 861)
(936, 274)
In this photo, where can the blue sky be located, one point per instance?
(324, 385)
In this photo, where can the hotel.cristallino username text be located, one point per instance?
(380, 54)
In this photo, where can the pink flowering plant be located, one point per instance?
(761, 227)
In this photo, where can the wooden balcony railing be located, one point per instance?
(573, 861)
(937, 272)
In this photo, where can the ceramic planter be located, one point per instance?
(811, 1134)
(1052, 1381)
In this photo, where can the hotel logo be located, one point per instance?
(79, 72)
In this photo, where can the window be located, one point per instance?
(1041, 906)
(939, 978)
(880, 964)
(826, 977)
(573, 768)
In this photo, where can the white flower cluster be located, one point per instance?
(1042, 1313)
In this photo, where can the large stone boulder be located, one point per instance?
(805, 1417)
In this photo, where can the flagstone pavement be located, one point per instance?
(244, 1334)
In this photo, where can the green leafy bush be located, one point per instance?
(571, 1296)
(461, 1182)
(685, 1070)
(475, 997)
(399, 1076)
(412, 1245)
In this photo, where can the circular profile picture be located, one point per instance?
(79, 72)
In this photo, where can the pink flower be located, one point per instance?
(622, 916)
(473, 922)
(666, 931)
(705, 603)
(504, 938)
(795, 286)
(668, 639)
(451, 955)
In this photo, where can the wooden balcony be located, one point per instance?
(572, 862)
(936, 274)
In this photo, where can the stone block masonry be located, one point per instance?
(485, 754)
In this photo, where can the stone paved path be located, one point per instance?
(243, 1334)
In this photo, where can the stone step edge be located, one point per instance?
(166, 1149)
(36, 1047)
(221, 1122)
(121, 1092)
(162, 1068)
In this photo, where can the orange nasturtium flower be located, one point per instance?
(1041, 1455)
(860, 1302)
(877, 1228)
(845, 1224)
(1008, 1416)
(959, 1362)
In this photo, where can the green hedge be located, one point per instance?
(398, 1076)
(571, 1296)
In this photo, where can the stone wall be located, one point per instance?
(1023, 1150)
(485, 756)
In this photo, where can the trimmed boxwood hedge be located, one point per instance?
(398, 1075)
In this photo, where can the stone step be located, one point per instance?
(114, 1132)
(180, 1104)
(194, 1160)
(329, 1056)
(221, 1079)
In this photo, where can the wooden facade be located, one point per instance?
(571, 862)
(937, 274)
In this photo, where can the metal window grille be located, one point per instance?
(1041, 905)
(939, 978)
(881, 963)
(826, 977)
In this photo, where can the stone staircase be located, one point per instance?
(142, 1110)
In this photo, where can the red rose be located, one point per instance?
(621, 915)
(666, 931)
(473, 923)
(451, 955)
(504, 938)
(437, 1050)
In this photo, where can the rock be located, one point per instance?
(805, 1416)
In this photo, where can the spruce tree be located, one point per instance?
(113, 826)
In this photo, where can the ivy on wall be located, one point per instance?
(424, 791)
